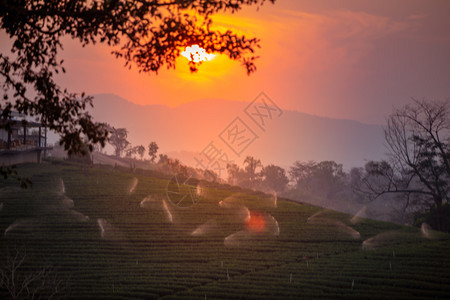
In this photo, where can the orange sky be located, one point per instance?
(351, 59)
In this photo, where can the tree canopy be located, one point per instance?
(148, 34)
(118, 140)
(152, 151)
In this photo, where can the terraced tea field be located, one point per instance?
(113, 234)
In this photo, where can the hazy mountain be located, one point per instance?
(186, 130)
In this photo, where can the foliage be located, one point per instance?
(325, 178)
(6, 172)
(118, 139)
(235, 174)
(152, 151)
(163, 158)
(319, 182)
(249, 177)
(252, 168)
(172, 166)
(140, 150)
(274, 178)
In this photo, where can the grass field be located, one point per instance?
(114, 234)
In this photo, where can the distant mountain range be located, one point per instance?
(185, 130)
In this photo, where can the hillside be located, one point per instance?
(185, 130)
(114, 234)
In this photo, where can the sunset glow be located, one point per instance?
(231, 149)
(197, 54)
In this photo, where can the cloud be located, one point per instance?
(346, 24)
(320, 41)
(361, 25)
(417, 16)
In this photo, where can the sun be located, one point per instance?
(197, 54)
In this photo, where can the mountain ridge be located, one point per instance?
(190, 127)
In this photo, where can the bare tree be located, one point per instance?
(25, 282)
(418, 140)
(390, 182)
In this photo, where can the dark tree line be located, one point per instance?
(322, 183)
(118, 139)
(256, 176)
